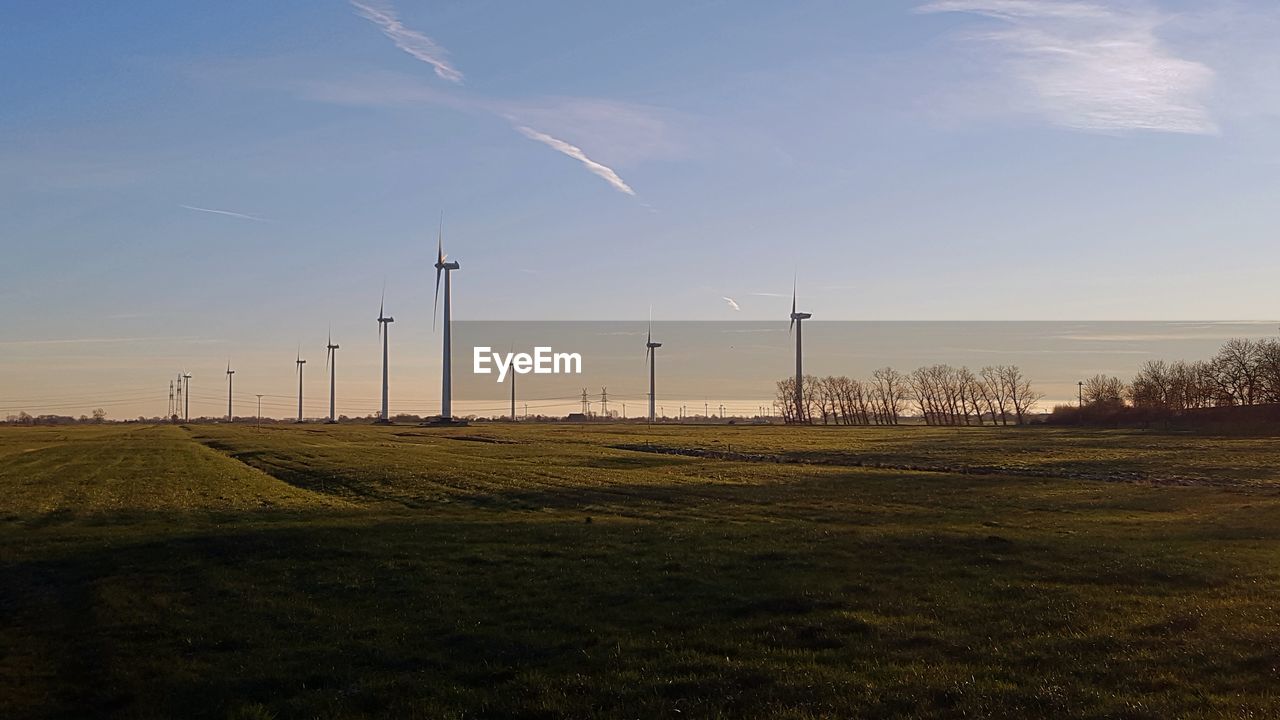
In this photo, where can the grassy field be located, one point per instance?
(624, 571)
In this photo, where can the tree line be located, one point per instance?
(1244, 372)
(938, 394)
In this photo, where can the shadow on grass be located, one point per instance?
(482, 615)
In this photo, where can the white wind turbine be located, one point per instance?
(384, 322)
(797, 322)
(230, 372)
(331, 365)
(446, 391)
(651, 354)
(300, 363)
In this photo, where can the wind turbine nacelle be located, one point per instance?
(801, 316)
(448, 266)
(653, 345)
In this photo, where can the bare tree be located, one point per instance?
(1021, 394)
(996, 393)
(890, 394)
(1103, 390)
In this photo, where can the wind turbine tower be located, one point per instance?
(384, 330)
(513, 396)
(186, 382)
(797, 321)
(300, 363)
(230, 372)
(651, 354)
(446, 390)
(331, 360)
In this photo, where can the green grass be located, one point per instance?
(539, 571)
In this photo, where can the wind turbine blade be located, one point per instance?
(436, 307)
(440, 239)
(793, 294)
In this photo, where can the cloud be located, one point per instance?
(631, 132)
(1094, 67)
(411, 41)
(732, 303)
(98, 341)
(228, 213)
(576, 153)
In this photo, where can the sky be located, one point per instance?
(186, 185)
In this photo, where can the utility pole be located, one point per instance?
(170, 413)
(1080, 395)
(586, 404)
(604, 402)
(722, 411)
(259, 416)
(624, 411)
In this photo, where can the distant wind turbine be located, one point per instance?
(384, 322)
(230, 372)
(797, 321)
(300, 363)
(331, 365)
(446, 391)
(186, 412)
(651, 354)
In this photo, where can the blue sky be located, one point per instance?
(957, 159)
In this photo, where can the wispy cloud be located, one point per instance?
(1094, 66)
(98, 341)
(411, 41)
(732, 303)
(576, 153)
(228, 213)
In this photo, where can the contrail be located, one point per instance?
(411, 41)
(576, 153)
(228, 213)
(732, 303)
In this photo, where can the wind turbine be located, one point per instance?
(230, 372)
(300, 363)
(186, 411)
(513, 390)
(797, 322)
(331, 364)
(446, 391)
(651, 355)
(384, 332)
